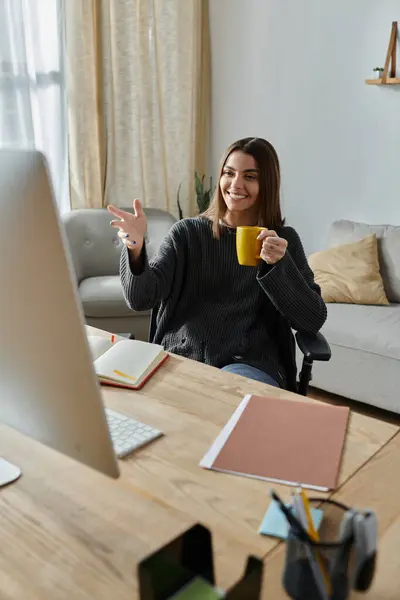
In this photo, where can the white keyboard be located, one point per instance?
(128, 435)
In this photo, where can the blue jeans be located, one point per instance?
(251, 373)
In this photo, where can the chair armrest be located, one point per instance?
(313, 345)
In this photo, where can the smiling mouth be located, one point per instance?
(237, 196)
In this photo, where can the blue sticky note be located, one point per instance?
(276, 525)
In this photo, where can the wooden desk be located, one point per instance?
(69, 532)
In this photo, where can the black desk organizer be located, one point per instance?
(190, 555)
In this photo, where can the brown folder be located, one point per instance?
(287, 441)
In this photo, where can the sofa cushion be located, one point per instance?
(374, 329)
(349, 273)
(345, 232)
(103, 297)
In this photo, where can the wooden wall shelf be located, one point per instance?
(389, 78)
(389, 81)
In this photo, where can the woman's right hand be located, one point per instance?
(132, 227)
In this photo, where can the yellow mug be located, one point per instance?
(248, 247)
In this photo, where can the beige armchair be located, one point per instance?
(95, 249)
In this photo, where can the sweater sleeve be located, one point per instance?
(146, 283)
(290, 286)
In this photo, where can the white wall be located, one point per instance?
(293, 71)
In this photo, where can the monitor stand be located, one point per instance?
(8, 472)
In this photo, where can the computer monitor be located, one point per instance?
(48, 387)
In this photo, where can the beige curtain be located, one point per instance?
(86, 140)
(138, 77)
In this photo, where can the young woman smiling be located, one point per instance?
(209, 307)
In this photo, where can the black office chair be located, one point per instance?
(313, 347)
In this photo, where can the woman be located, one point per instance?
(210, 308)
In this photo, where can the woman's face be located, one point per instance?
(239, 182)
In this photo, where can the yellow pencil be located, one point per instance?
(313, 533)
(124, 375)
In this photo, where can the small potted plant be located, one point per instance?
(203, 195)
(378, 72)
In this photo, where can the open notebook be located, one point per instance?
(125, 363)
(295, 442)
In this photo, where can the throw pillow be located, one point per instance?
(350, 273)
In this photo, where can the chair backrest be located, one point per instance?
(346, 232)
(95, 246)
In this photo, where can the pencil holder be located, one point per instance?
(328, 570)
(303, 578)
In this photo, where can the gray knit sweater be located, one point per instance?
(213, 310)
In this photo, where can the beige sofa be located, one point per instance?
(365, 340)
(95, 249)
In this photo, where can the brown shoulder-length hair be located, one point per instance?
(269, 205)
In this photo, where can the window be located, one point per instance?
(32, 91)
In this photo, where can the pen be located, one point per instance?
(314, 559)
(312, 532)
(292, 520)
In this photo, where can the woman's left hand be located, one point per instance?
(273, 247)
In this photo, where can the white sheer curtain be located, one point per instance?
(32, 93)
(138, 75)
